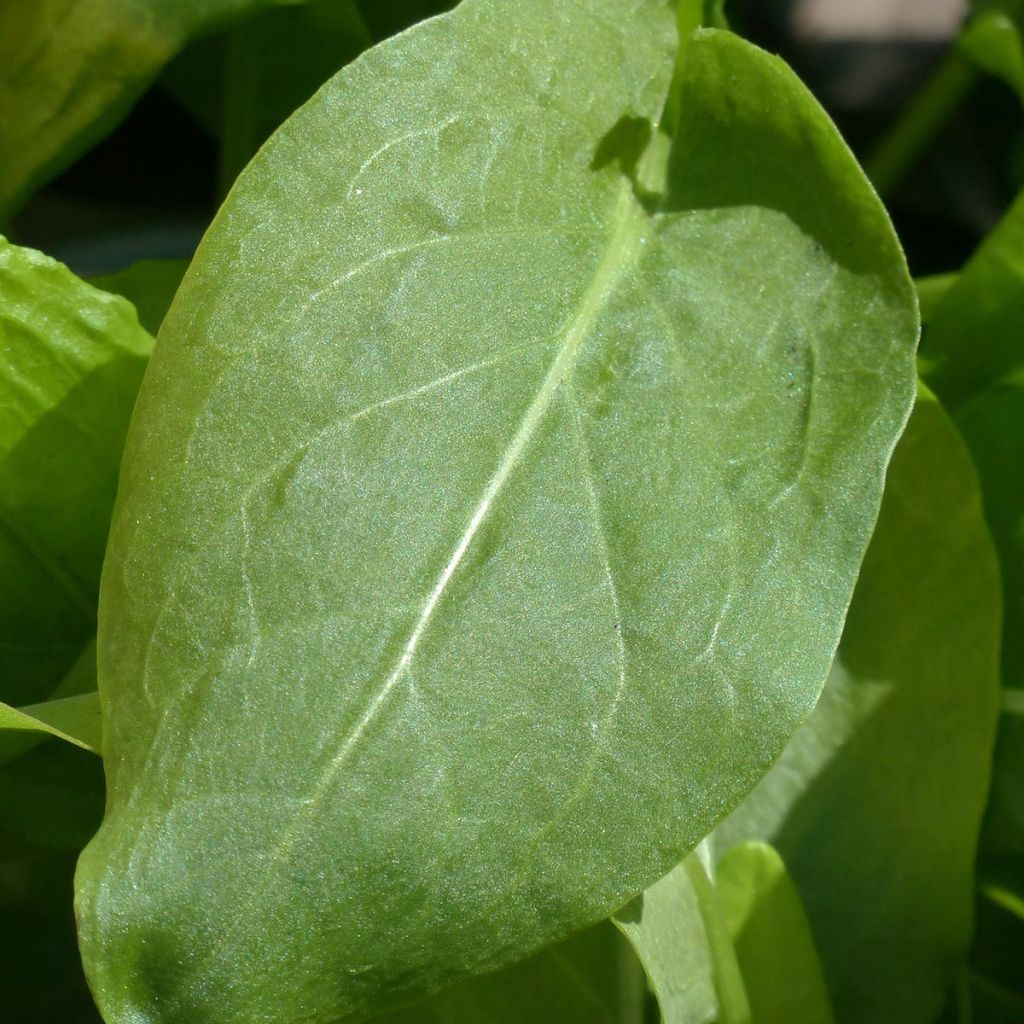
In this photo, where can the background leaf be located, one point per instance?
(588, 979)
(149, 285)
(75, 719)
(69, 73)
(875, 804)
(73, 359)
(974, 352)
(772, 938)
(464, 483)
(681, 937)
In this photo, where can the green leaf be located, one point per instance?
(993, 427)
(69, 73)
(463, 484)
(73, 357)
(930, 292)
(581, 981)
(973, 338)
(875, 804)
(79, 681)
(242, 83)
(992, 41)
(772, 938)
(149, 285)
(75, 719)
(51, 796)
(975, 355)
(681, 937)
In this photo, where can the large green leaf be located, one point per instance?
(70, 71)
(876, 803)
(487, 524)
(993, 426)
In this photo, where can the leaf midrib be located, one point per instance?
(621, 250)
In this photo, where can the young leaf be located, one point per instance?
(487, 526)
(681, 938)
(771, 936)
(992, 41)
(68, 73)
(75, 719)
(875, 804)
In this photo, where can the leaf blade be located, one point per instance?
(489, 494)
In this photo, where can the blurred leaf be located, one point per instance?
(992, 423)
(772, 937)
(930, 292)
(975, 332)
(149, 285)
(79, 680)
(875, 805)
(974, 357)
(992, 41)
(70, 72)
(580, 981)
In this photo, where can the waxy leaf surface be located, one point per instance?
(875, 805)
(488, 520)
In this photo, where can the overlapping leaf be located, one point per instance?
(876, 803)
(973, 355)
(488, 521)
(73, 359)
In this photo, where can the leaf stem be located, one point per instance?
(725, 968)
(909, 137)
